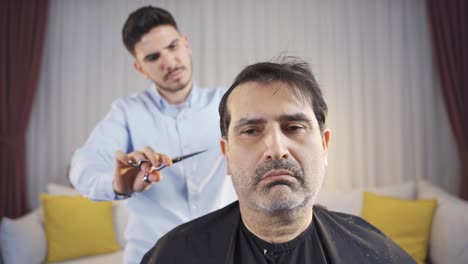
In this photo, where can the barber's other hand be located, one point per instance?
(128, 179)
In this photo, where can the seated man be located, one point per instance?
(275, 142)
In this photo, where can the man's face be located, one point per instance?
(275, 151)
(164, 56)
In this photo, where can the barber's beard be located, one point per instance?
(175, 88)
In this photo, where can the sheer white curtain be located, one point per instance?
(371, 57)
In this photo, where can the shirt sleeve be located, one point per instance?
(92, 165)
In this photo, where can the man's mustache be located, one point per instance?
(281, 164)
(166, 77)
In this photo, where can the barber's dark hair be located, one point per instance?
(292, 71)
(141, 21)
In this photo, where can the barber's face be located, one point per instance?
(164, 56)
(275, 151)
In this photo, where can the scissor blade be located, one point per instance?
(174, 160)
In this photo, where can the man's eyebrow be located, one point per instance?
(157, 54)
(249, 121)
(299, 117)
(295, 117)
(172, 43)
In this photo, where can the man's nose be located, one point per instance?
(276, 147)
(168, 62)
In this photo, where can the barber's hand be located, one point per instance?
(128, 179)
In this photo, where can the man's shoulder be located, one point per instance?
(214, 89)
(206, 95)
(339, 218)
(137, 96)
(206, 237)
(355, 238)
(132, 100)
(206, 222)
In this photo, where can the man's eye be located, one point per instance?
(172, 46)
(250, 131)
(294, 128)
(152, 58)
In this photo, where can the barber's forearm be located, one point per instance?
(92, 179)
(92, 165)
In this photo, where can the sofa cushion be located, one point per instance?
(120, 211)
(22, 233)
(76, 226)
(114, 257)
(407, 222)
(449, 242)
(350, 201)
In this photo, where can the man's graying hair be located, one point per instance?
(292, 71)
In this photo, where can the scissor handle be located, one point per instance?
(162, 166)
(138, 163)
(158, 168)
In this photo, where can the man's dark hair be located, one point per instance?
(292, 71)
(141, 21)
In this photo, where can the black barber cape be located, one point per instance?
(220, 237)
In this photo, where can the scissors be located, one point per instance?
(162, 166)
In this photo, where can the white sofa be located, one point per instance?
(27, 232)
(23, 240)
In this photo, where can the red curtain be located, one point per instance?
(449, 27)
(22, 31)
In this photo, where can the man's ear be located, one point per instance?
(187, 44)
(225, 150)
(325, 142)
(138, 67)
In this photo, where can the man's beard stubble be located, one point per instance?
(177, 88)
(299, 199)
(281, 164)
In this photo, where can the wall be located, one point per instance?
(372, 59)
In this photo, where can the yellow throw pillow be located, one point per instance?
(407, 222)
(76, 226)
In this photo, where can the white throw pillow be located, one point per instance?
(350, 201)
(449, 239)
(23, 239)
(120, 211)
(56, 189)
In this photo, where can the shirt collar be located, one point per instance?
(162, 103)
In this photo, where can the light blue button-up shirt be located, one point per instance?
(189, 189)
